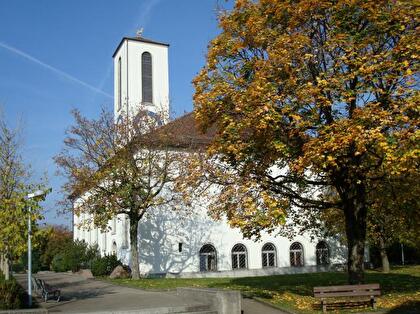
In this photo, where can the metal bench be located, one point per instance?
(45, 290)
(348, 291)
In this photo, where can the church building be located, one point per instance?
(195, 246)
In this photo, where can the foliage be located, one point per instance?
(392, 218)
(294, 292)
(394, 252)
(51, 240)
(75, 256)
(310, 97)
(103, 266)
(118, 168)
(58, 263)
(58, 237)
(15, 184)
(12, 295)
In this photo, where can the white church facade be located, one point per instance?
(194, 246)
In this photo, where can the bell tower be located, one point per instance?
(141, 77)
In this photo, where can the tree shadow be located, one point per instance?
(170, 241)
(409, 307)
(302, 284)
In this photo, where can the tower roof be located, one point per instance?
(139, 39)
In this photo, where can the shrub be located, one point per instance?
(74, 256)
(57, 263)
(12, 295)
(103, 266)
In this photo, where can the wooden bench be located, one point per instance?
(45, 290)
(348, 291)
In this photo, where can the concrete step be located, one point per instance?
(187, 309)
(202, 312)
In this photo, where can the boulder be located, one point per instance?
(85, 273)
(119, 273)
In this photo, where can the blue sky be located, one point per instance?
(57, 55)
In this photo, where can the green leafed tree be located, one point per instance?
(118, 168)
(309, 98)
(15, 185)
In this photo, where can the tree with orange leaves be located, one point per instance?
(309, 98)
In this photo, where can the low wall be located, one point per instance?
(254, 272)
(25, 311)
(222, 301)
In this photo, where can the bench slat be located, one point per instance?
(348, 288)
(347, 294)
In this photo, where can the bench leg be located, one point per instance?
(373, 302)
(324, 306)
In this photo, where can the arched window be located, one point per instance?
(208, 260)
(239, 257)
(97, 236)
(322, 253)
(104, 242)
(296, 254)
(114, 225)
(114, 248)
(269, 255)
(146, 78)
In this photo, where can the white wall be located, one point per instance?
(160, 233)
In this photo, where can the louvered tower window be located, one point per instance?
(146, 78)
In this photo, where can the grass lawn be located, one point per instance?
(400, 288)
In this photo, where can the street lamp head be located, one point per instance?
(38, 194)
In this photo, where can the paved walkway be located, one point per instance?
(86, 296)
(250, 306)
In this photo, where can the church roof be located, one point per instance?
(139, 39)
(184, 132)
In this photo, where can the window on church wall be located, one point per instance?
(239, 257)
(104, 248)
(119, 85)
(269, 255)
(208, 258)
(114, 248)
(126, 232)
(322, 253)
(97, 236)
(114, 225)
(296, 255)
(90, 235)
(146, 78)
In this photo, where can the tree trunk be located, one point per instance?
(7, 269)
(5, 266)
(355, 211)
(134, 263)
(2, 263)
(384, 256)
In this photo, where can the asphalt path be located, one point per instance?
(80, 295)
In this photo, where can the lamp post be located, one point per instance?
(35, 195)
